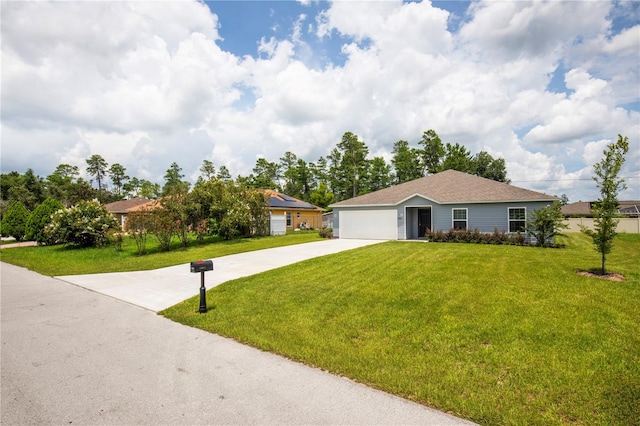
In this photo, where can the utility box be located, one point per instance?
(202, 266)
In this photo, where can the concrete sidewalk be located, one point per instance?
(72, 356)
(161, 288)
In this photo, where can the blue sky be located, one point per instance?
(544, 84)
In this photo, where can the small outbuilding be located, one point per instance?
(442, 201)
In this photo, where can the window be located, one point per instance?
(298, 215)
(459, 218)
(289, 220)
(517, 219)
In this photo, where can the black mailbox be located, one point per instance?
(202, 266)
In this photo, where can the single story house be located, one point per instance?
(630, 208)
(289, 213)
(442, 201)
(120, 209)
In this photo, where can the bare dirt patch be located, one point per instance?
(611, 276)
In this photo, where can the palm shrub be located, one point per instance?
(86, 224)
(40, 218)
(14, 222)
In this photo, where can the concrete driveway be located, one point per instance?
(73, 356)
(161, 288)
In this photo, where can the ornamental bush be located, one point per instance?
(40, 218)
(138, 225)
(474, 236)
(86, 224)
(15, 220)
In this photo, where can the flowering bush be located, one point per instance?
(86, 224)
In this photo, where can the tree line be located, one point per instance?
(347, 171)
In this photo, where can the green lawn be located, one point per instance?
(494, 334)
(61, 260)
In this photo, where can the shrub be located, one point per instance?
(14, 222)
(40, 218)
(164, 226)
(474, 236)
(138, 225)
(117, 239)
(326, 233)
(85, 225)
(545, 224)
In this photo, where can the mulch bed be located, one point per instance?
(611, 276)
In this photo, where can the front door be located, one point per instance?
(424, 222)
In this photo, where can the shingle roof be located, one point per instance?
(447, 187)
(281, 201)
(125, 206)
(577, 208)
(583, 208)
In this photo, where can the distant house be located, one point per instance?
(293, 213)
(443, 201)
(121, 209)
(583, 209)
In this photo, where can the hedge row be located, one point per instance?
(474, 236)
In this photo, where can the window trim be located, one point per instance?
(454, 220)
(509, 220)
(289, 220)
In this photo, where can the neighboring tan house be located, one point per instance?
(442, 201)
(120, 209)
(583, 209)
(293, 213)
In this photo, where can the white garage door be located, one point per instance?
(369, 224)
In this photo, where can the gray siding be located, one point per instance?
(485, 217)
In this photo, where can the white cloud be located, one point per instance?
(146, 84)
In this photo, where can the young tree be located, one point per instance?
(175, 206)
(97, 168)
(138, 225)
(14, 222)
(546, 223)
(604, 211)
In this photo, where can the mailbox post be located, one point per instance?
(202, 266)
